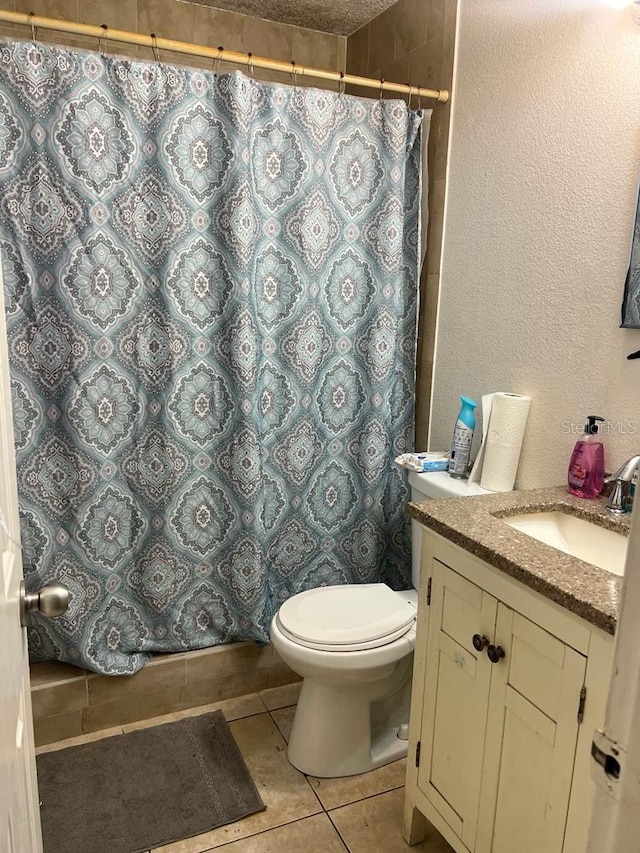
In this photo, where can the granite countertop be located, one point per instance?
(476, 524)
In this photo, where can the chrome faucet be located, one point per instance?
(621, 483)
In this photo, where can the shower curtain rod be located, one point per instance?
(105, 34)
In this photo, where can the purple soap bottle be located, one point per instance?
(586, 469)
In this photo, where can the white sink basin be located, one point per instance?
(589, 542)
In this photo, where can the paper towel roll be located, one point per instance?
(507, 424)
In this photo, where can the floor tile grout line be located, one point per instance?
(172, 713)
(195, 709)
(275, 723)
(280, 707)
(315, 793)
(54, 745)
(135, 722)
(340, 836)
(306, 777)
(324, 808)
(363, 799)
(262, 832)
(317, 796)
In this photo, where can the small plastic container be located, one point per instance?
(586, 469)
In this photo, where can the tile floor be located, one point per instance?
(358, 814)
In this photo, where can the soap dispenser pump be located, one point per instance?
(586, 469)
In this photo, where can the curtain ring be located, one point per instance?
(250, 65)
(154, 48)
(34, 32)
(409, 96)
(294, 74)
(381, 87)
(102, 40)
(215, 65)
(341, 85)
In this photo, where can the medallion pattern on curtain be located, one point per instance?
(210, 286)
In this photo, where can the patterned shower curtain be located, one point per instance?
(210, 286)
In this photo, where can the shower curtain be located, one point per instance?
(210, 286)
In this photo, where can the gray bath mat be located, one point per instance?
(131, 792)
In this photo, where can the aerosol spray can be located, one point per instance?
(462, 438)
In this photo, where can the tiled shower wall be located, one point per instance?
(68, 701)
(413, 42)
(190, 22)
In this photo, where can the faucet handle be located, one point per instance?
(620, 496)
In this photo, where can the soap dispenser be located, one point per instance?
(586, 469)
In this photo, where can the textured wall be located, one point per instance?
(331, 16)
(189, 22)
(542, 182)
(413, 41)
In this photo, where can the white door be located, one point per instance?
(615, 820)
(19, 816)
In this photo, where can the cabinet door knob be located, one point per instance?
(495, 653)
(479, 643)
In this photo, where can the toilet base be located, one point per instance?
(339, 731)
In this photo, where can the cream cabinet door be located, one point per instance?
(530, 745)
(454, 718)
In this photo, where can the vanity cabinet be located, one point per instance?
(508, 688)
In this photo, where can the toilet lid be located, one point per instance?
(360, 615)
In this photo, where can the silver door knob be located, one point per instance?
(51, 601)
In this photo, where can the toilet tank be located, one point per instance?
(433, 486)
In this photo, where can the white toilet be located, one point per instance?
(353, 646)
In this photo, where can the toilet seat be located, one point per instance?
(350, 617)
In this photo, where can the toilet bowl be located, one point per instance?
(353, 646)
